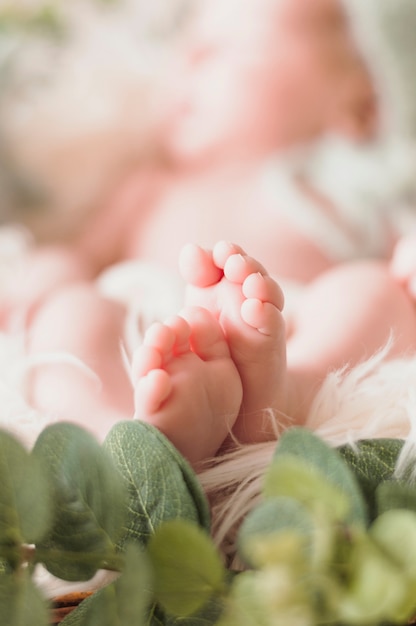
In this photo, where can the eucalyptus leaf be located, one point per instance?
(276, 516)
(109, 606)
(161, 484)
(134, 587)
(208, 615)
(291, 477)
(100, 609)
(372, 461)
(377, 590)
(95, 608)
(394, 494)
(188, 570)
(25, 499)
(90, 502)
(125, 602)
(21, 603)
(45, 21)
(395, 532)
(156, 617)
(269, 597)
(312, 450)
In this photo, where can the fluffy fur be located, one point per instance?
(374, 399)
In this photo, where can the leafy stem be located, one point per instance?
(333, 540)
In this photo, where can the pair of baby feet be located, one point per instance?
(219, 367)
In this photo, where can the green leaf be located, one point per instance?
(275, 515)
(96, 608)
(134, 587)
(312, 451)
(269, 597)
(376, 590)
(156, 616)
(20, 602)
(208, 615)
(118, 604)
(123, 603)
(394, 494)
(283, 517)
(25, 500)
(372, 461)
(294, 478)
(395, 532)
(44, 21)
(90, 502)
(187, 567)
(161, 484)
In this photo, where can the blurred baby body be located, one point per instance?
(273, 210)
(273, 81)
(238, 152)
(247, 116)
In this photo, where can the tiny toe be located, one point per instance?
(182, 332)
(151, 392)
(207, 338)
(239, 266)
(263, 288)
(223, 250)
(197, 266)
(161, 337)
(262, 316)
(145, 359)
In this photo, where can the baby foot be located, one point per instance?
(248, 304)
(186, 383)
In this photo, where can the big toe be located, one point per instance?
(207, 337)
(197, 266)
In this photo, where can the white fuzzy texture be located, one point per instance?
(375, 399)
